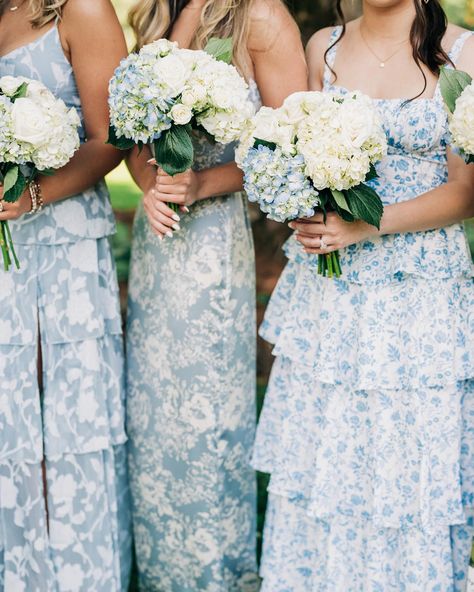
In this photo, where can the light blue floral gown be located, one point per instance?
(368, 425)
(191, 396)
(65, 296)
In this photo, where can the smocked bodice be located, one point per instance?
(416, 162)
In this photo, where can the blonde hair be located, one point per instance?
(151, 20)
(43, 12)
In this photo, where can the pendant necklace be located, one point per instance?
(381, 61)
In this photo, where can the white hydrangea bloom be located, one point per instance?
(461, 124)
(164, 85)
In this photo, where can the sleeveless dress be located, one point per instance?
(65, 296)
(191, 395)
(368, 424)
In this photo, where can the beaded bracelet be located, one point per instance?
(36, 196)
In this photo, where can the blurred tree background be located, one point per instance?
(269, 236)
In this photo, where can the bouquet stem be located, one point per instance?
(329, 265)
(6, 245)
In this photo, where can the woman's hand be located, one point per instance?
(13, 211)
(182, 189)
(335, 234)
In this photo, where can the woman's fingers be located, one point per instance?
(169, 197)
(171, 189)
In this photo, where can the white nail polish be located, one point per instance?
(186, 209)
(176, 217)
(176, 227)
(169, 234)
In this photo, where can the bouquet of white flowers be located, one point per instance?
(38, 133)
(457, 89)
(315, 152)
(161, 94)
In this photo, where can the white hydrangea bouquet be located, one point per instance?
(38, 134)
(159, 95)
(316, 152)
(457, 89)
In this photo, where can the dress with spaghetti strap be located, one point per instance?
(368, 425)
(65, 297)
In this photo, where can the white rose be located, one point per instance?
(29, 122)
(189, 97)
(10, 85)
(172, 72)
(181, 114)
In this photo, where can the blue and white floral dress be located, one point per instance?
(64, 298)
(191, 396)
(368, 425)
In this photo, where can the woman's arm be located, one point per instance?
(448, 204)
(279, 66)
(93, 40)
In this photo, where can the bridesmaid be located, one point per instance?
(63, 488)
(368, 429)
(191, 335)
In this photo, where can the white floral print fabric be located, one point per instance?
(191, 397)
(65, 299)
(368, 424)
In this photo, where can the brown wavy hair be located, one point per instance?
(153, 19)
(41, 12)
(426, 37)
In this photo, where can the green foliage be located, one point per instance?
(174, 150)
(452, 83)
(221, 49)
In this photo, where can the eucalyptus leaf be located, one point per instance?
(221, 49)
(174, 150)
(10, 178)
(452, 83)
(365, 204)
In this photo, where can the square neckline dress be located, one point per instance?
(368, 424)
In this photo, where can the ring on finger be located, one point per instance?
(2, 207)
(323, 244)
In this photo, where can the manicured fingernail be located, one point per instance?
(160, 237)
(186, 209)
(176, 217)
(176, 227)
(169, 234)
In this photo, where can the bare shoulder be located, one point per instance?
(465, 61)
(77, 12)
(269, 20)
(318, 43)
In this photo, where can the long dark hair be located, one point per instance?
(3, 6)
(426, 36)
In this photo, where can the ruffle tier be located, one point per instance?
(414, 333)
(433, 255)
(66, 296)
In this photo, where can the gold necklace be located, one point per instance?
(381, 61)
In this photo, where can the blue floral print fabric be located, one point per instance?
(68, 439)
(368, 424)
(191, 396)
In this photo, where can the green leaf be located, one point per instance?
(470, 159)
(259, 142)
(340, 200)
(372, 174)
(174, 150)
(221, 49)
(119, 142)
(365, 204)
(452, 83)
(14, 193)
(20, 92)
(11, 177)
